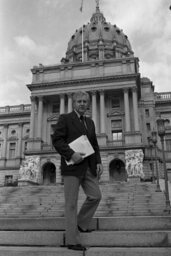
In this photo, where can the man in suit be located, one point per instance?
(85, 171)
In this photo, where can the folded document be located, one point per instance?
(81, 145)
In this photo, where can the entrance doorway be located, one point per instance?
(117, 171)
(49, 174)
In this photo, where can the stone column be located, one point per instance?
(94, 108)
(135, 109)
(127, 111)
(69, 102)
(62, 103)
(20, 140)
(40, 117)
(4, 150)
(102, 112)
(32, 117)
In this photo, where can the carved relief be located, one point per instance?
(29, 169)
(134, 163)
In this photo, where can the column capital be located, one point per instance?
(20, 124)
(134, 89)
(101, 91)
(40, 98)
(61, 94)
(69, 94)
(93, 92)
(32, 98)
(6, 126)
(126, 90)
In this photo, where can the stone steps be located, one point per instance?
(109, 232)
(53, 251)
(32, 222)
(94, 239)
(102, 223)
(118, 199)
(116, 236)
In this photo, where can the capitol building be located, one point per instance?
(124, 107)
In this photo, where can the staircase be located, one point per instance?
(130, 221)
(119, 199)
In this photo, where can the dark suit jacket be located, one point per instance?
(69, 128)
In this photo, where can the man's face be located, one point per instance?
(81, 104)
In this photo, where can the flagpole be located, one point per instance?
(82, 41)
(82, 45)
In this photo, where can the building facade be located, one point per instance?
(124, 107)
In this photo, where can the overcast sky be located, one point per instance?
(38, 31)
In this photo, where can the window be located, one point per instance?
(148, 127)
(147, 113)
(0, 150)
(55, 108)
(27, 130)
(93, 29)
(117, 135)
(106, 29)
(168, 144)
(25, 145)
(115, 103)
(8, 180)
(13, 132)
(12, 147)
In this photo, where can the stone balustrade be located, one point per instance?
(15, 109)
(163, 96)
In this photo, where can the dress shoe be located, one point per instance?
(76, 247)
(85, 231)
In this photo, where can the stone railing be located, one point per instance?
(116, 143)
(163, 96)
(15, 109)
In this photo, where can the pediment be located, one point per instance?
(53, 117)
(115, 113)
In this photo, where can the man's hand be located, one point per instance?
(77, 157)
(99, 170)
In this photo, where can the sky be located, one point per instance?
(38, 31)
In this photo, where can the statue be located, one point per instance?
(97, 4)
(134, 163)
(29, 169)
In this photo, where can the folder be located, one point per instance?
(81, 145)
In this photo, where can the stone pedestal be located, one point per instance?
(34, 144)
(133, 180)
(22, 182)
(102, 139)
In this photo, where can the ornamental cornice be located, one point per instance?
(18, 114)
(86, 81)
(41, 67)
(115, 113)
(12, 138)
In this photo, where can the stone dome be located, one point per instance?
(100, 40)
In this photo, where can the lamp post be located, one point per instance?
(161, 132)
(154, 139)
(150, 142)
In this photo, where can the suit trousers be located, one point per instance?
(90, 186)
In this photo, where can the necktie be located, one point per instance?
(83, 123)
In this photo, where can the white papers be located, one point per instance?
(81, 145)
